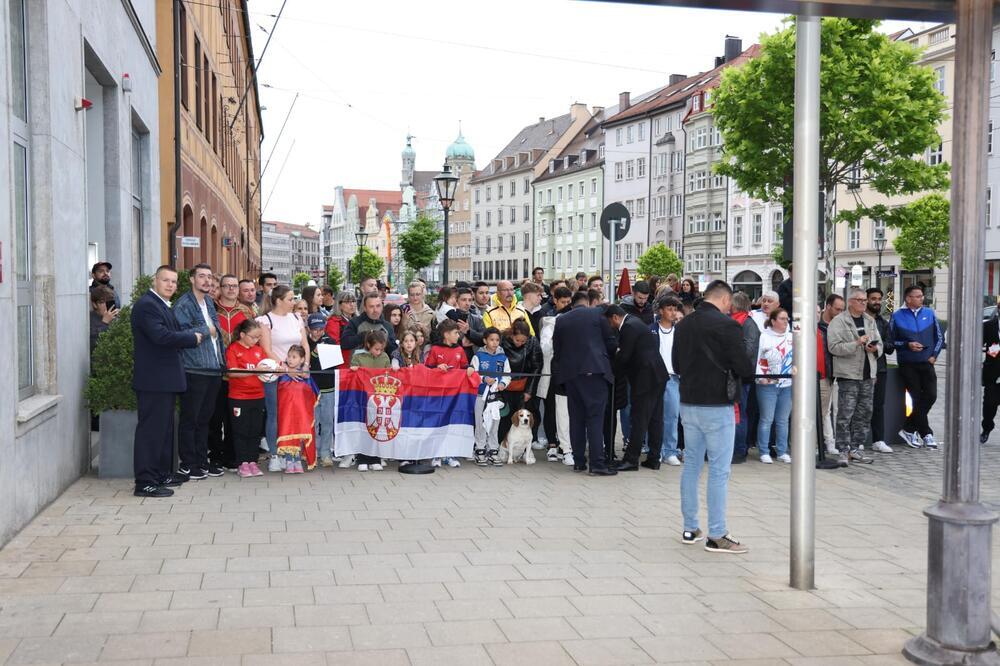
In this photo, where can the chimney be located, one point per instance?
(623, 101)
(676, 78)
(597, 110)
(720, 61)
(578, 110)
(734, 47)
(541, 119)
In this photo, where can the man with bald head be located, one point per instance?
(504, 309)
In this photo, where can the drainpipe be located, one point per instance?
(172, 229)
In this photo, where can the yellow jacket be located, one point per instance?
(503, 318)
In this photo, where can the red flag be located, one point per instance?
(624, 286)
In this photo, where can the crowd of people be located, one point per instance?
(692, 377)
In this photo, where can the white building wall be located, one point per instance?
(560, 239)
(992, 289)
(44, 428)
(619, 151)
(667, 173)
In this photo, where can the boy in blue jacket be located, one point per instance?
(918, 341)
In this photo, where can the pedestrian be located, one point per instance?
(596, 282)
(417, 312)
(158, 376)
(918, 340)
(203, 366)
(313, 296)
(345, 311)
(548, 391)
(394, 315)
(768, 302)
(855, 345)
(248, 296)
(447, 297)
(710, 357)
(638, 360)
(329, 306)
(532, 297)
(448, 354)
(100, 274)
(784, 292)
(280, 329)
(504, 309)
(991, 374)
(525, 357)
(879, 445)
(834, 305)
(369, 285)
(481, 296)
(774, 395)
(470, 325)
(372, 355)
(688, 292)
(638, 303)
(595, 297)
(751, 340)
(230, 313)
(246, 396)
(494, 368)
(370, 319)
(102, 312)
(267, 282)
(301, 310)
(406, 355)
(538, 278)
(297, 397)
(583, 344)
(667, 308)
(325, 413)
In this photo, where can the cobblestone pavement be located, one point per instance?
(467, 566)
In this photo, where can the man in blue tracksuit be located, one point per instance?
(918, 340)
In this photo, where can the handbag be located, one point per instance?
(732, 382)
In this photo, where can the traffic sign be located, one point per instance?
(623, 220)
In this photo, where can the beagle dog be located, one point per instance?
(518, 441)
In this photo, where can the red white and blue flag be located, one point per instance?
(407, 414)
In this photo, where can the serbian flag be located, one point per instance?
(407, 414)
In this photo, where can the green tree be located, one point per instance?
(924, 231)
(420, 244)
(300, 280)
(371, 265)
(659, 260)
(334, 278)
(879, 112)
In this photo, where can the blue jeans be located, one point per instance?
(740, 445)
(324, 416)
(671, 412)
(707, 429)
(775, 405)
(271, 423)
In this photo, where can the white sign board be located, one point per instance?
(190, 241)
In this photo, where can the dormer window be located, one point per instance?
(552, 166)
(583, 156)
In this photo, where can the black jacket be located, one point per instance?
(157, 341)
(644, 313)
(991, 365)
(708, 330)
(582, 344)
(885, 332)
(352, 336)
(524, 359)
(638, 357)
(785, 296)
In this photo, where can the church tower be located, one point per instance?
(409, 157)
(460, 154)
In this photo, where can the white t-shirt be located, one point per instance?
(666, 346)
(211, 324)
(286, 330)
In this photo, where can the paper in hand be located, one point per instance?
(329, 356)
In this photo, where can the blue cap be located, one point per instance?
(316, 320)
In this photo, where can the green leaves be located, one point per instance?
(659, 260)
(371, 265)
(300, 280)
(924, 232)
(419, 244)
(334, 278)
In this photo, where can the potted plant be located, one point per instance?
(109, 388)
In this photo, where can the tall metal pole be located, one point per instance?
(611, 281)
(444, 279)
(805, 206)
(960, 526)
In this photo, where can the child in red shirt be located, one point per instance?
(448, 356)
(246, 396)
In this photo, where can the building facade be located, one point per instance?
(220, 133)
(502, 203)
(77, 185)
(462, 160)
(276, 252)
(991, 290)
(753, 230)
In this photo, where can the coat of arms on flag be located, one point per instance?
(385, 408)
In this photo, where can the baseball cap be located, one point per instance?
(316, 320)
(107, 264)
(380, 285)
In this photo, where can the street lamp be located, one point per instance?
(879, 247)
(361, 237)
(446, 183)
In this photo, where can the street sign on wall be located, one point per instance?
(190, 241)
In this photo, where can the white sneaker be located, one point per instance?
(375, 467)
(347, 462)
(831, 448)
(263, 444)
(568, 460)
(673, 461)
(766, 459)
(538, 446)
(552, 456)
(436, 462)
(912, 439)
(930, 442)
(881, 447)
(274, 464)
(453, 462)
(785, 458)
(363, 467)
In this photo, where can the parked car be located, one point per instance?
(395, 299)
(989, 312)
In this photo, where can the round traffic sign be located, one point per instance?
(617, 213)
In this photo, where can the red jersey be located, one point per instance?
(453, 357)
(229, 319)
(244, 387)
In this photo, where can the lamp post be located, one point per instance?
(446, 183)
(879, 247)
(361, 237)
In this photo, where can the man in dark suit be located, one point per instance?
(639, 360)
(583, 344)
(157, 378)
(991, 375)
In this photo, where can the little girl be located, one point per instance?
(421, 341)
(246, 396)
(373, 356)
(447, 356)
(297, 397)
(406, 355)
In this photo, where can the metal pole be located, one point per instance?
(960, 526)
(805, 206)
(444, 279)
(611, 280)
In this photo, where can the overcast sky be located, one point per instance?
(369, 72)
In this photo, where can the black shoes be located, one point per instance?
(152, 491)
(173, 481)
(603, 472)
(215, 470)
(195, 474)
(984, 437)
(626, 466)
(580, 467)
(650, 464)
(738, 459)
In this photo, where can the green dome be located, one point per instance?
(408, 151)
(460, 150)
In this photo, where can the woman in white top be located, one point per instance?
(280, 328)
(774, 396)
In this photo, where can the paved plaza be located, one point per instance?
(468, 566)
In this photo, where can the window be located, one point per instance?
(628, 252)
(938, 36)
(513, 189)
(139, 191)
(738, 231)
(935, 155)
(541, 258)
(593, 221)
(548, 195)
(853, 236)
(661, 206)
(618, 172)
(717, 136)
(993, 65)
(499, 217)
(642, 132)
(569, 192)
(558, 259)
(641, 165)
(854, 176)
(182, 25)
(476, 245)
(488, 239)
(758, 231)
(527, 212)
(717, 224)
(499, 191)
(488, 188)
(593, 257)
(513, 242)
(701, 180)
(638, 250)
(630, 206)
(656, 126)
(696, 223)
(477, 195)
(629, 169)
(776, 224)
(559, 193)
(695, 103)
(593, 186)
(524, 265)
(558, 225)
(716, 262)
(717, 181)
(676, 161)
(618, 136)
(600, 152)
(630, 134)
(580, 190)
(618, 252)
(640, 208)
(989, 138)
(477, 220)
(527, 185)
(489, 219)
(21, 198)
(701, 137)
(668, 123)
(579, 255)
(208, 98)
(527, 240)
(989, 205)
(197, 82)
(939, 81)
